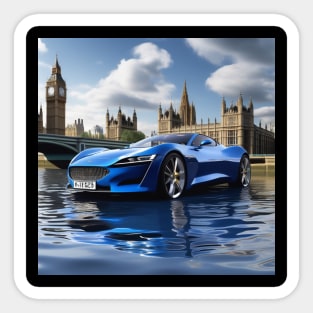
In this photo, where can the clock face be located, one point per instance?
(61, 91)
(50, 91)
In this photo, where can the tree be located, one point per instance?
(131, 135)
(86, 134)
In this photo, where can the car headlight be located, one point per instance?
(136, 160)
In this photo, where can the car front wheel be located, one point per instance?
(172, 178)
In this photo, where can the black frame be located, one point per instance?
(280, 153)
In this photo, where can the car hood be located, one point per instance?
(109, 157)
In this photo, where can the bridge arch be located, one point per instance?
(60, 149)
(68, 147)
(58, 153)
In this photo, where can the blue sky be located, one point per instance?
(142, 73)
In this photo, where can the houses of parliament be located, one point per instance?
(235, 128)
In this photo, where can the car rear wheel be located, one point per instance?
(244, 172)
(172, 178)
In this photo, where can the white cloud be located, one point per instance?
(41, 46)
(265, 114)
(139, 79)
(44, 65)
(135, 83)
(252, 80)
(41, 94)
(264, 111)
(207, 49)
(219, 51)
(146, 127)
(244, 65)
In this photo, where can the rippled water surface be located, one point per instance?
(221, 230)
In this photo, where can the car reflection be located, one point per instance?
(193, 225)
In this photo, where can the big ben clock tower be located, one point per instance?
(56, 100)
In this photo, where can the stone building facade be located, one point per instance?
(115, 126)
(76, 129)
(236, 126)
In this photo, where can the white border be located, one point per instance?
(20, 153)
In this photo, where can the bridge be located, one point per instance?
(59, 150)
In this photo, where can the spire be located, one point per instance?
(40, 111)
(184, 97)
(223, 105)
(240, 100)
(56, 69)
(56, 73)
(107, 116)
(56, 61)
(160, 112)
(251, 104)
(184, 106)
(240, 103)
(185, 93)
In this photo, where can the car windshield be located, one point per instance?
(157, 140)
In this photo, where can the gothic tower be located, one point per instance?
(187, 111)
(115, 126)
(237, 125)
(40, 120)
(107, 123)
(223, 106)
(56, 100)
(184, 109)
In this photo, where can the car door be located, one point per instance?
(211, 161)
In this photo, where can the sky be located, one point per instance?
(143, 73)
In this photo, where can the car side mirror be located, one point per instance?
(206, 142)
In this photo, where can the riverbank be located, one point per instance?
(44, 163)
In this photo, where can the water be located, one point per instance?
(221, 230)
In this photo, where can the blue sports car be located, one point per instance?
(163, 164)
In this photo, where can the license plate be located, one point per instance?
(87, 185)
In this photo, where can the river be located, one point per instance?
(219, 231)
